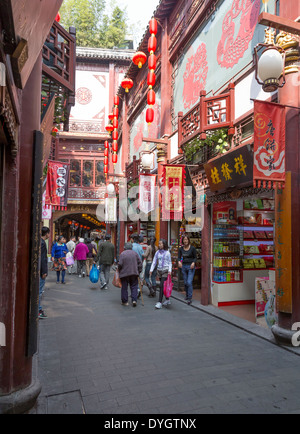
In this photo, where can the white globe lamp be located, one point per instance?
(270, 67)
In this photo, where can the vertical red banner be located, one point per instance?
(269, 144)
(57, 185)
(173, 192)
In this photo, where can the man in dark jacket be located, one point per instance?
(44, 268)
(130, 267)
(106, 257)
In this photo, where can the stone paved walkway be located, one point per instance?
(96, 356)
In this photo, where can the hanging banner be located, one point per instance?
(46, 211)
(173, 192)
(269, 144)
(147, 185)
(57, 185)
(111, 210)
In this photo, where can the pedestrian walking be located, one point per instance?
(162, 259)
(90, 256)
(149, 256)
(106, 257)
(187, 256)
(136, 246)
(80, 254)
(44, 268)
(71, 247)
(58, 253)
(130, 267)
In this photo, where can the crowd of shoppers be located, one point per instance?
(136, 265)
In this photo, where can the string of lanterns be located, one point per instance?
(151, 79)
(138, 59)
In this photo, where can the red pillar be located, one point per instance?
(289, 95)
(17, 382)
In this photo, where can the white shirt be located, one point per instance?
(163, 258)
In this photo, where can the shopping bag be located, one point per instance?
(70, 260)
(94, 274)
(116, 280)
(168, 286)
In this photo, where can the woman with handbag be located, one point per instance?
(162, 259)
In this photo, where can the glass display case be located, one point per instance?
(227, 253)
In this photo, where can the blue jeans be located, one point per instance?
(42, 285)
(188, 277)
(63, 272)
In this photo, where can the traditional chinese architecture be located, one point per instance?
(206, 118)
(99, 73)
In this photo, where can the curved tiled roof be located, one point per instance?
(104, 53)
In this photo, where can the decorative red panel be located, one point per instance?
(211, 113)
(237, 31)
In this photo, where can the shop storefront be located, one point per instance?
(242, 238)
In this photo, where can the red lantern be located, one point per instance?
(110, 116)
(153, 26)
(116, 100)
(151, 97)
(139, 59)
(152, 44)
(152, 61)
(114, 158)
(149, 115)
(109, 128)
(57, 18)
(116, 112)
(106, 152)
(115, 123)
(105, 161)
(106, 144)
(115, 135)
(69, 223)
(127, 84)
(105, 169)
(115, 146)
(151, 79)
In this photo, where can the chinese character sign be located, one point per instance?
(147, 193)
(230, 170)
(173, 194)
(269, 143)
(57, 185)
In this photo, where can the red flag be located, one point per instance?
(269, 144)
(57, 184)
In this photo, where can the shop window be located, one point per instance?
(100, 178)
(88, 173)
(75, 173)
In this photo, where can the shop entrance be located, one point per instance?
(176, 231)
(243, 273)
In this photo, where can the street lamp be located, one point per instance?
(110, 189)
(147, 160)
(270, 67)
